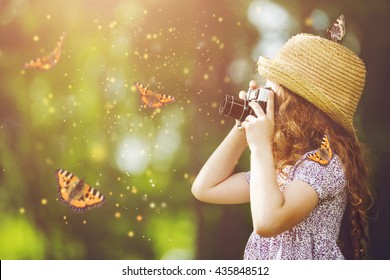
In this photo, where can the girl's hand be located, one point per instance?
(259, 129)
(252, 85)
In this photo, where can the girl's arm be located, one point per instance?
(216, 182)
(273, 211)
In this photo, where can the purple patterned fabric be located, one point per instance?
(316, 236)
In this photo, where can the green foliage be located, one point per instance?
(175, 236)
(19, 239)
(84, 115)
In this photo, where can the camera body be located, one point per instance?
(239, 109)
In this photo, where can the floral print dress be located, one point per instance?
(316, 236)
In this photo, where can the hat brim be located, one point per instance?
(289, 78)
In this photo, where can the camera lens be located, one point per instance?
(234, 108)
(239, 109)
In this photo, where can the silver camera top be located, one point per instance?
(259, 94)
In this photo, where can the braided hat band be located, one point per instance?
(325, 73)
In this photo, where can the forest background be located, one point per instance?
(84, 115)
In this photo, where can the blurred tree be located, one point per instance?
(84, 115)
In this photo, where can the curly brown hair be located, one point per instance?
(301, 123)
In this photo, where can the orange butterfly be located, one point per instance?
(324, 154)
(47, 62)
(153, 99)
(76, 193)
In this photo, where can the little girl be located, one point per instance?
(308, 184)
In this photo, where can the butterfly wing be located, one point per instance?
(79, 195)
(162, 99)
(147, 96)
(47, 62)
(325, 145)
(324, 154)
(92, 197)
(337, 31)
(152, 99)
(87, 197)
(316, 157)
(66, 181)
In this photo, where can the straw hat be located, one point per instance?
(323, 72)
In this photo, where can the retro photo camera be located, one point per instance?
(239, 109)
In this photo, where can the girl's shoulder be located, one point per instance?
(320, 161)
(326, 177)
(309, 166)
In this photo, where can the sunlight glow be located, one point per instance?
(320, 20)
(274, 24)
(132, 155)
